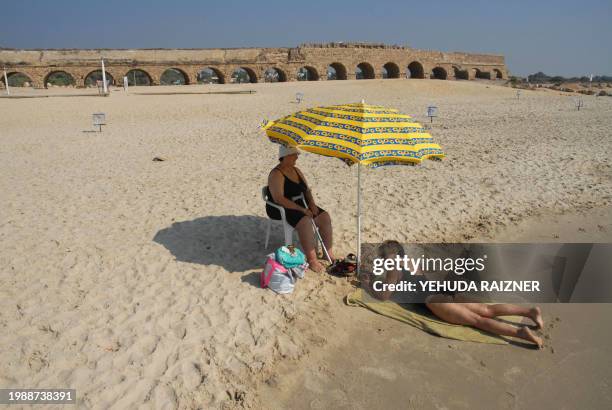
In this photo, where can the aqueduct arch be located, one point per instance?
(274, 75)
(364, 71)
(481, 74)
(174, 76)
(461, 74)
(390, 70)
(439, 73)
(138, 76)
(210, 75)
(243, 75)
(336, 71)
(415, 70)
(94, 76)
(17, 79)
(59, 78)
(307, 73)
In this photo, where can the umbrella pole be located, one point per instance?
(358, 219)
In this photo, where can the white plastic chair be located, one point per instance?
(286, 227)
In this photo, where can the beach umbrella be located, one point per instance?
(362, 134)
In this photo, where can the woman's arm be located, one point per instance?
(277, 190)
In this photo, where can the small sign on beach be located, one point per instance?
(432, 111)
(99, 119)
(518, 94)
(578, 103)
(299, 97)
(125, 83)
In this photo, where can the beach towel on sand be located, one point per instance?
(420, 317)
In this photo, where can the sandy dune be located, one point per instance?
(135, 281)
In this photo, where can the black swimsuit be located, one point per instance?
(292, 189)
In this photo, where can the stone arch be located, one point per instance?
(59, 78)
(96, 75)
(415, 70)
(498, 74)
(137, 76)
(174, 76)
(461, 74)
(336, 71)
(481, 74)
(210, 75)
(274, 75)
(244, 75)
(17, 79)
(439, 73)
(364, 71)
(307, 73)
(390, 70)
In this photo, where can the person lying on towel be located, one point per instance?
(453, 308)
(286, 181)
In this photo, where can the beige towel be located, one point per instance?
(419, 316)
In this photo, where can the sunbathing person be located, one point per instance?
(454, 308)
(286, 181)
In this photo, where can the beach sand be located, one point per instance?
(136, 281)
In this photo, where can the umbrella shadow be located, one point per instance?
(235, 243)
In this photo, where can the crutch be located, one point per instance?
(316, 229)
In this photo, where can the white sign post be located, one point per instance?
(99, 119)
(579, 103)
(8, 92)
(518, 94)
(104, 78)
(432, 111)
(125, 83)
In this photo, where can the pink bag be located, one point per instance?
(270, 268)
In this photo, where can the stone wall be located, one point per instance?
(38, 64)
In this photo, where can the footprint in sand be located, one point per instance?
(192, 377)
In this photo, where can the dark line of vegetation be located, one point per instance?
(541, 78)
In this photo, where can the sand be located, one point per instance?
(136, 281)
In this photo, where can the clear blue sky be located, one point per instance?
(558, 37)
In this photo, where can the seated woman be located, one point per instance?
(455, 309)
(286, 181)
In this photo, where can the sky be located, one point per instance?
(562, 37)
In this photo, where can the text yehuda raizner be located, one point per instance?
(458, 266)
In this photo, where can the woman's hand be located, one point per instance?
(307, 212)
(314, 209)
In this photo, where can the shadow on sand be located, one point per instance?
(235, 243)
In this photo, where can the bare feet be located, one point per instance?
(535, 314)
(316, 266)
(527, 334)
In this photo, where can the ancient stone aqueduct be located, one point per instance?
(306, 62)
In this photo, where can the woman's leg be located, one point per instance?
(506, 309)
(306, 234)
(323, 221)
(459, 314)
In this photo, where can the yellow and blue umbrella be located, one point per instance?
(370, 135)
(362, 134)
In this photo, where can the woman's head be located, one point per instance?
(288, 155)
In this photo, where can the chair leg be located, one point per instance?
(268, 233)
(288, 234)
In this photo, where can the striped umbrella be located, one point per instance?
(369, 135)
